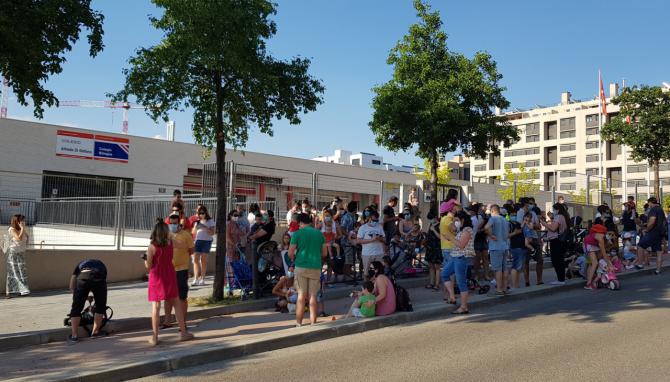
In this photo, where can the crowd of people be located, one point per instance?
(461, 248)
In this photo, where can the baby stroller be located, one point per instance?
(270, 265)
(242, 278)
(606, 277)
(403, 254)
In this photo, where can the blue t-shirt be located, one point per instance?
(499, 227)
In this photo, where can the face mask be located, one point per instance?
(555, 212)
(408, 217)
(327, 219)
(234, 218)
(531, 206)
(366, 214)
(457, 224)
(289, 274)
(373, 222)
(174, 228)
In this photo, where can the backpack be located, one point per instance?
(402, 300)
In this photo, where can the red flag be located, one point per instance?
(603, 100)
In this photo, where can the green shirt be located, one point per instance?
(365, 310)
(308, 242)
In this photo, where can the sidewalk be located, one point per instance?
(57, 361)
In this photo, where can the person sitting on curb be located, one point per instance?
(88, 276)
(286, 292)
(364, 305)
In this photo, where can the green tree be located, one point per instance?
(580, 197)
(648, 133)
(525, 183)
(213, 59)
(439, 101)
(34, 35)
(443, 172)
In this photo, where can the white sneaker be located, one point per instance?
(557, 283)
(201, 282)
(194, 282)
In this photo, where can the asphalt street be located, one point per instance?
(572, 336)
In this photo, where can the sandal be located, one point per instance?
(450, 302)
(166, 326)
(187, 336)
(153, 341)
(460, 312)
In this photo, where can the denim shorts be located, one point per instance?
(518, 258)
(650, 243)
(203, 246)
(459, 267)
(497, 259)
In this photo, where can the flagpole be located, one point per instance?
(600, 140)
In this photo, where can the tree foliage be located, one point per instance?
(213, 59)
(525, 183)
(34, 35)
(439, 101)
(443, 172)
(648, 134)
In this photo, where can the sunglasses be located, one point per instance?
(201, 214)
(235, 216)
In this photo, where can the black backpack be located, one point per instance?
(402, 300)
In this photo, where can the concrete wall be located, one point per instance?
(51, 269)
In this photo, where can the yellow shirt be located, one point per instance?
(182, 241)
(445, 223)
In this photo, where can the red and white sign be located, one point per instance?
(107, 148)
(74, 145)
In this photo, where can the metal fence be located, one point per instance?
(76, 211)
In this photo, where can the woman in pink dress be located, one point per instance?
(384, 291)
(163, 280)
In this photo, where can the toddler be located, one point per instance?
(364, 305)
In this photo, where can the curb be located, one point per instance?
(294, 337)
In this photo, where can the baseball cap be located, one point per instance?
(599, 228)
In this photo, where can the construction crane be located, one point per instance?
(106, 104)
(5, 98)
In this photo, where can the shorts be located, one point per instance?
(457, 266)
(497, 259)
(349, 254)
(356, 312)
(182, 284)
(518, 257)
(368, 259)
(85, 285)
(481, 246)
(650, 243)
(308, 281)
(203, 246)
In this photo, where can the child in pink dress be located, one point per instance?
(163, 279)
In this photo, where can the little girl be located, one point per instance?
(283, 250)
(293, 225)
(529, 234)
(329, 231)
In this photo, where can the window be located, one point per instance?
(494, 161)
(592, 171)
(568, 147)
(664, 166)
(550, 156)
(550, 130)
(533, 132)
(567, 127)
(592, 158)
(355, 162)
(568, 186)
(512, 164)
(592, 145)
(520, 152)
(534, 175)
(591, 120)
(613, 150)
(480, 167)
(376, 162)
(592, 131)
(568, 173)
(533, 163)
(568, 160)
(636, 168)
(639, 182)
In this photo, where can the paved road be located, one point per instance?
(573, 336)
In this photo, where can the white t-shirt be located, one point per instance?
(366, 232)
(201, 233)
(251, 217)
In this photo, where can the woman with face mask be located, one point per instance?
(434, 256)
(463, 250)
(372, 239)
(385, 299)
(556, 227)
(406, 224)
(204, 231)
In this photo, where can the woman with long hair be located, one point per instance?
(557, 247)
(17, 275)
(204, 231)
(163, 280)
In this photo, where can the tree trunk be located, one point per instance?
(433, 182)
(221, 202)
(657, 184)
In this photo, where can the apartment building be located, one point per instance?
(563, 144)
(362, 159)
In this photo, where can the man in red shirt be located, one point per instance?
(178, 207)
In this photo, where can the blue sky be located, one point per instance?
(542, 48)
